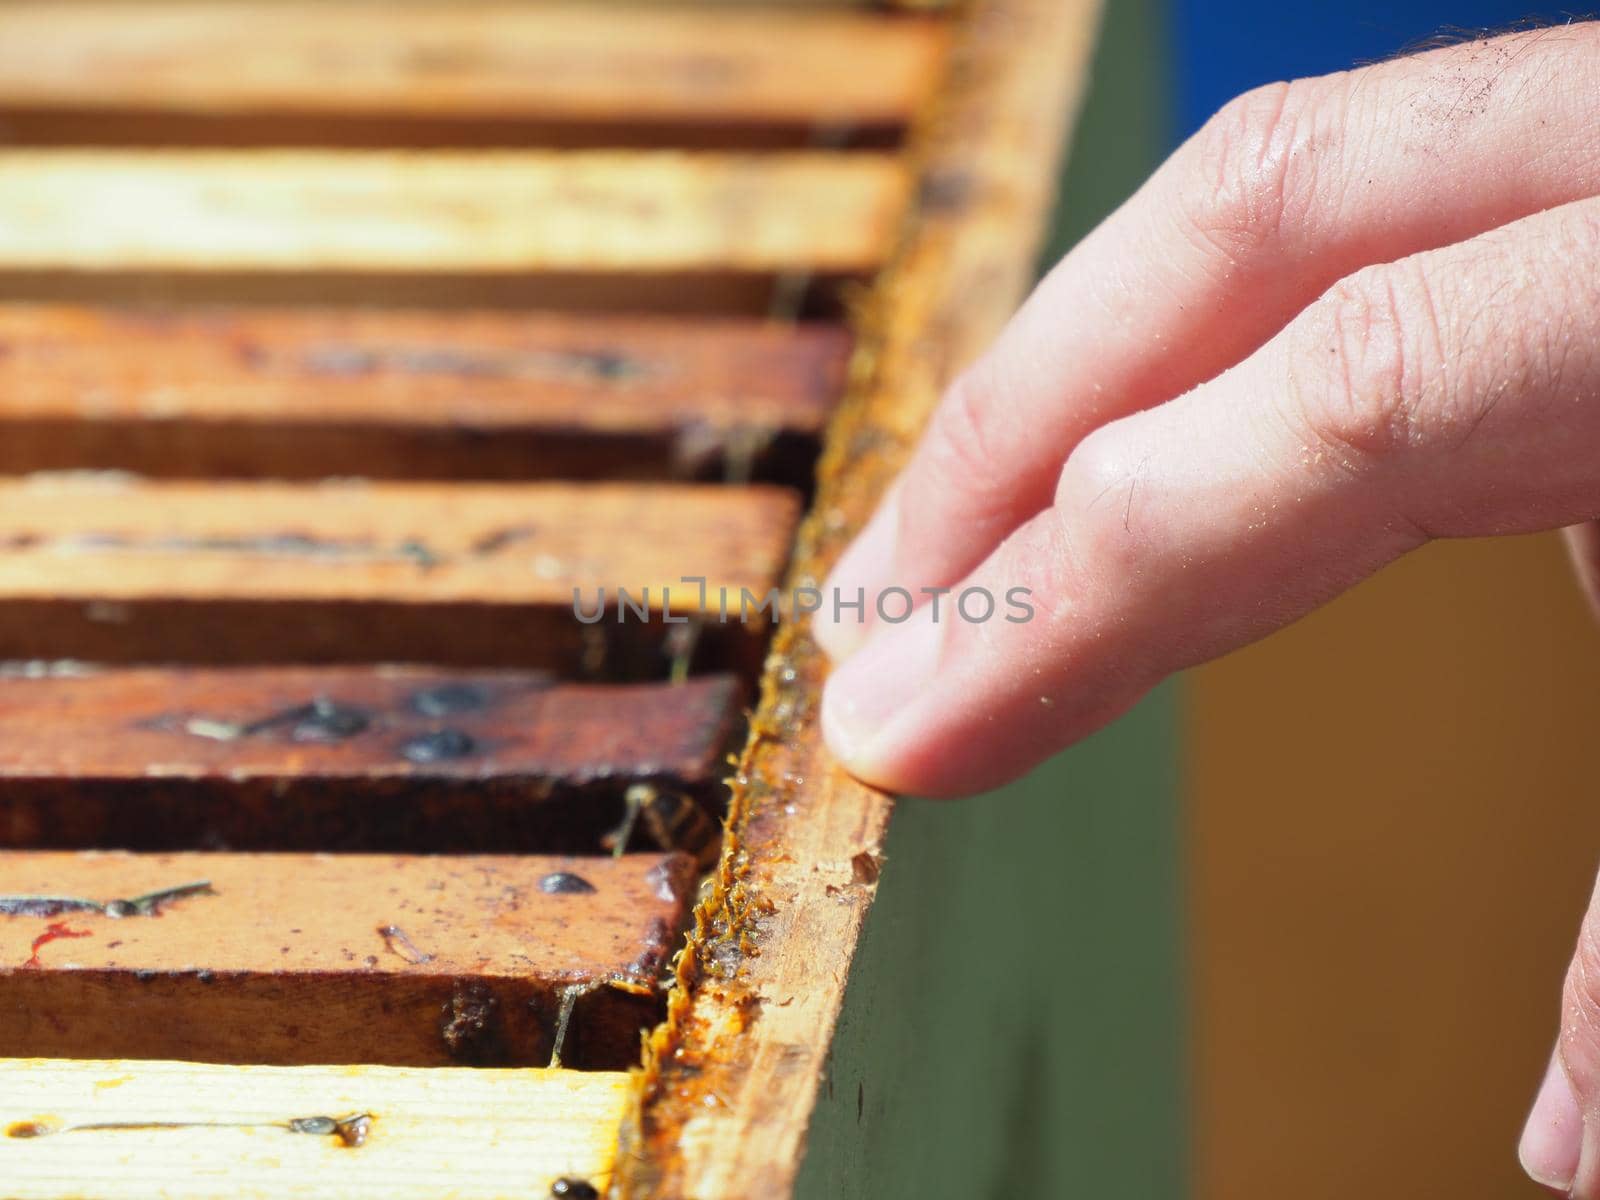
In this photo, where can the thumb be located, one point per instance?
(1561, 1141)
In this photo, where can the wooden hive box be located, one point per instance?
(343, 346)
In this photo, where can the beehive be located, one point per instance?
(342, 346)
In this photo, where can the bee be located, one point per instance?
(671, 820)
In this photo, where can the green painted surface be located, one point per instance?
(1013, 1026)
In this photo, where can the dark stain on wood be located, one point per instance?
(149, 905)
(448, 699)
(351, 1130)
(472, 1030)
(565, 883)
(570, 1188)
(437, 746)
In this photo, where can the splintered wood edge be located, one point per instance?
(722, 1106)
(123, 1130)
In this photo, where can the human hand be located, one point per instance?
(1351, 315)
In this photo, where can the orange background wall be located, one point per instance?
(1393, 829)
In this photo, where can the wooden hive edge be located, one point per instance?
(721, 1106)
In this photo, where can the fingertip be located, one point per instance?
(839, 639)
(840, 626)
(866, 697)
(863, 756)
(1552, 1140)
(840, 733)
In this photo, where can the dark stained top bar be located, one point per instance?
(351, 758)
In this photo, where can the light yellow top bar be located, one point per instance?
(179, 1131)
(449, 212)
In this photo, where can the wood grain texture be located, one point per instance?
(303, 394)
(179, 1131)
(113, 570)
(449, 73)
(733, 1074)
(375, 213)
(384, 758)
(289, 959)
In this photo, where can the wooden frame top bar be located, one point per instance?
(133, 1130)
(304, 394)
(364, 758)
(526, 68)
(483, 371)
(310, 958)
(104, 569)
(110, 539)
(76, 723)
(445, 212)
(486, 916)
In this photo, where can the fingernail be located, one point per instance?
(874, 686)
(861, 572)
(1552, 1140)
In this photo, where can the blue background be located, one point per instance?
(1224, 47)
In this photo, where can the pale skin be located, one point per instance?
(1353, 314)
